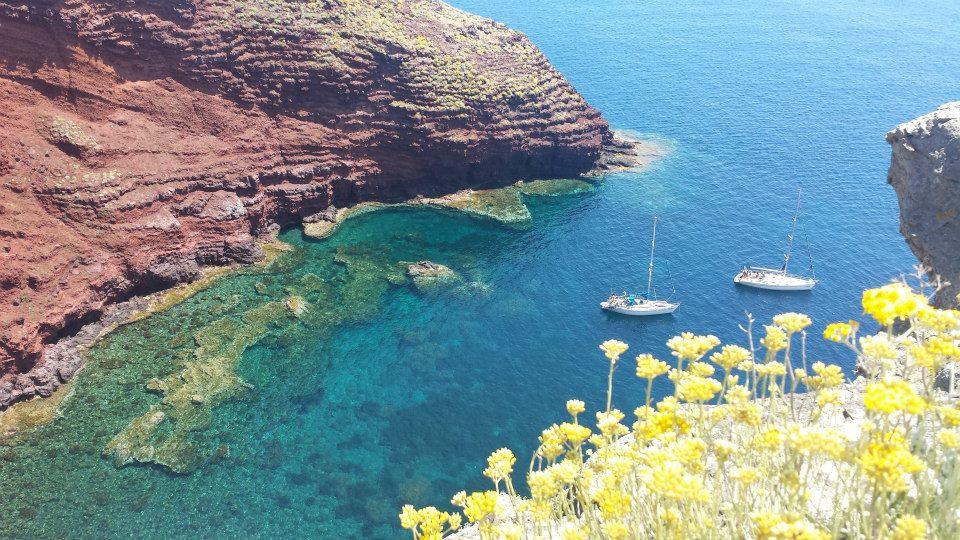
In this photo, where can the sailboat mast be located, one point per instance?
(793, 231)
(653, 245)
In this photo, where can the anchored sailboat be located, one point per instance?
(774, 279)
(636, 304)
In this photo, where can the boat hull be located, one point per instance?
(776, 287)
(771, 280)
(660, 308)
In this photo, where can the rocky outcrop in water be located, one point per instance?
(925, 172)
(143, 140)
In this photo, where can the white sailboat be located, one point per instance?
(774, 279)
(636, 304)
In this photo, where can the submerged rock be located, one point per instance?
(297, 305)
(324, 224)
(171, 432)
(925, 173)
(554, 188)
(626, 151)
(428, 275)
(503, 205)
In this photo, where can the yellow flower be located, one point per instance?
(745, 475)
(612, 502)
(480, 504)
(431, 522)
(575, 407)
(879, 347)
(687, 346)
(827, 376)
(500, 464)
(668, 404)
(773, 369)
(737, 394)
(730, 356)
(551, 442)
(409, 517)
(724, 449)
(893, 395)
(688, 451)
(609, 423)
(949, 415)
(932, 352)
(888, 463)
(543, 485)
(573, 531)
(564, 472)
(616, 530)
(747, 413)
(891, 302)
(939, 320)
(508, 531)
(920, 356)
(540, 509)
(701, 369)
(765, 522)
(792, 526)
(840, 332)
(613, 348)
(909, 527)
(672, 481)
(827, 396)
(670, 517)
(949, 438)
(769, 439)
(792, 322)
(649, 367)
(817, 440)
(775, 340)
(575, 433)
(697, 389)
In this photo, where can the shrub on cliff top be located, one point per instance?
(738, 452)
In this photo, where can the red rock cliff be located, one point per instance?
(143, 139)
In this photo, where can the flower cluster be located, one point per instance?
(753, 442)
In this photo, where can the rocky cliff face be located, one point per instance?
(925, 172)
(144, 139)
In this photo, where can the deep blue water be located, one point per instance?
(404, 402)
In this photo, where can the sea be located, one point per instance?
(382, 393)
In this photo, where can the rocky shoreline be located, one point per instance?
(64, 358)
(625, 153)
(144, 142)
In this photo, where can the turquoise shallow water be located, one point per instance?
(382, 395)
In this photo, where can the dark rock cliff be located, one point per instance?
(925, 172)
(144, 139)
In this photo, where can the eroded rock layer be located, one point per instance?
(144, 139)
(925, 172)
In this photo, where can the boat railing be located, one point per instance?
(778, 271)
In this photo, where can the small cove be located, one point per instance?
(381, 394)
